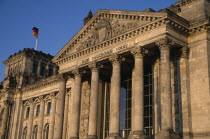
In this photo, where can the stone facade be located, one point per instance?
(125, 74)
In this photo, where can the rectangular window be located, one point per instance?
(48, 107)
(37, 110)
(27, 112)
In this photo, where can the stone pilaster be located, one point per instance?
(41, 117)
(17, 115)
(166, 131)
(76, 105)
(5, 119)
(30, 119)
(184, 81)
(52, 115)
(58, 128)
(138, 94)
(114, 123)
(92, 130)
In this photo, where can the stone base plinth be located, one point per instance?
(137, 135)
(167, 135)
(92, 137)
(114, 136)
(74, 137)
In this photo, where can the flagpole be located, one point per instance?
(36, 46)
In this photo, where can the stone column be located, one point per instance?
(138, 94)
(30, 119)
(76, 105)
(184, 82)
(5, 119)
(58, 128)
(92, 130)
(52, 115)
(65, 123)
(114, 123)
(165, 90)
(41, 117)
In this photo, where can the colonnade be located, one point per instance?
(56, 126)
(138, 95)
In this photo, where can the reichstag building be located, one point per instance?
(124, 75)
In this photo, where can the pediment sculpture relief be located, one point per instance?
(106, 29)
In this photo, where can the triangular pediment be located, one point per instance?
(106, 24)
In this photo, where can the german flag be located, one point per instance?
(35, 32)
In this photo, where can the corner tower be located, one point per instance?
(26, 67)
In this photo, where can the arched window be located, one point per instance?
(46, 131)
(35, 131)
(24, 133)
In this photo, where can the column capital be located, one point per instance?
(63, 77)
(184, 52)
(137, 51)
(94, 66)
(164, 43)
(31, 100)
(116, 59)
(41, 98)
(53, 94)
(77, 72)
(8, 102)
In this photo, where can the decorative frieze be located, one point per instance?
(183, 28)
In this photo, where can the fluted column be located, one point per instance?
(165, 89)
(30, 119)
(92, 130)
(41, 117)
(114, 126)
(138, 94)
(7, 105)
(52, 115)
(58, 128)
(76, 105)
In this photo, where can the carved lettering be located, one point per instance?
(104, 54)
(85, 61)
(123, 47)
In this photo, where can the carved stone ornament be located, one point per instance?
(77, 72)
(8, 102)
(63, 77)
(138, 51)
(116, 59)
(85, 109)
(185, 52)
(164, 43)
(53, 94)
(94, 66)
(106, 29)
(41, 98)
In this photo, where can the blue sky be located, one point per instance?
(58, 21)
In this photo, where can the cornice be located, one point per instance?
(179, 26)
(41, 84)
(185, 2)
(199, 28)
